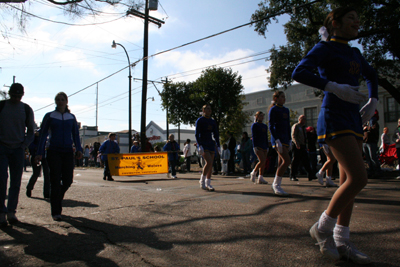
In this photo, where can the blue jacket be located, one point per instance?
(63, 130)
(135, 149)
(172, 147)
(337, 62)
(108, 147)
(279, 125)
(206, 129)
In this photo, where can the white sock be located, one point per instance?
(321, 172)
(341, 234)
(260, 177)
(328, 177)
(277, 180)
(326, 223)
(203, 177)
(208, 181)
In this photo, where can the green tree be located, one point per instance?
(219, 87)
(379, 36)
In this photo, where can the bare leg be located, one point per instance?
(283, 161)
(209, 158)
(262, 156)
(348, 151)
(330, 160)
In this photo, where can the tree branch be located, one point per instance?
(393, 91)
(64, 3)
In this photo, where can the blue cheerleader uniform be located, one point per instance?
(206, 129)
(259, 133)
(279, 125)
(337, 62)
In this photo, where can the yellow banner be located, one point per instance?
(138, 163)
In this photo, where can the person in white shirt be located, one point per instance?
(188, 154)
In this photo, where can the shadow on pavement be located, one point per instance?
(83, 245)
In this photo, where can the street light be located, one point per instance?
(152, 98)
(114, 45)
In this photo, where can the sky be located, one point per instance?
(50, 57)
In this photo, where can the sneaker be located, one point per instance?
(110, 179)
(203, 184)
(329, 183)
(398, 177)
(174, 177)
(57, 218)
(320, 178)
(326, 243)
(278, 190)
(3, 221)
(350, 252)
(261, 180)
(104, 178)
(11, 218)
(209, 186)
(253, 177)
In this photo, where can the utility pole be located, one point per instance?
(158, 22)
(144, 82)
(97, 104)
(166, 81)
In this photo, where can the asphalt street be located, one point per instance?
(157, 221)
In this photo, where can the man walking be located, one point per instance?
(109, 146)
(15, 117)
(299, 149)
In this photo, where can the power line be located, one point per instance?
(87, 87)
(61, 22)
(198, 40)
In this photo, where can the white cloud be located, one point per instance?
(189, 65)
(77, 59)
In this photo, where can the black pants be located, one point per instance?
(300, 156)
(35, 175)
(61, 167)
(231, 162)
(188, 164)
(217, 163)
(106, 172)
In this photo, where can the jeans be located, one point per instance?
(35, 175)
(61, 165)
(246, 162)
(12, 158)
(370, 151)
(86, 161)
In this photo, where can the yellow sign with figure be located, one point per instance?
(138, 163)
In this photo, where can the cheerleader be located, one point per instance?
(279, 126)
(340, 124)
(259, 133)
(207, 139)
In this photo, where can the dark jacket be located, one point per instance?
(172, 148)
